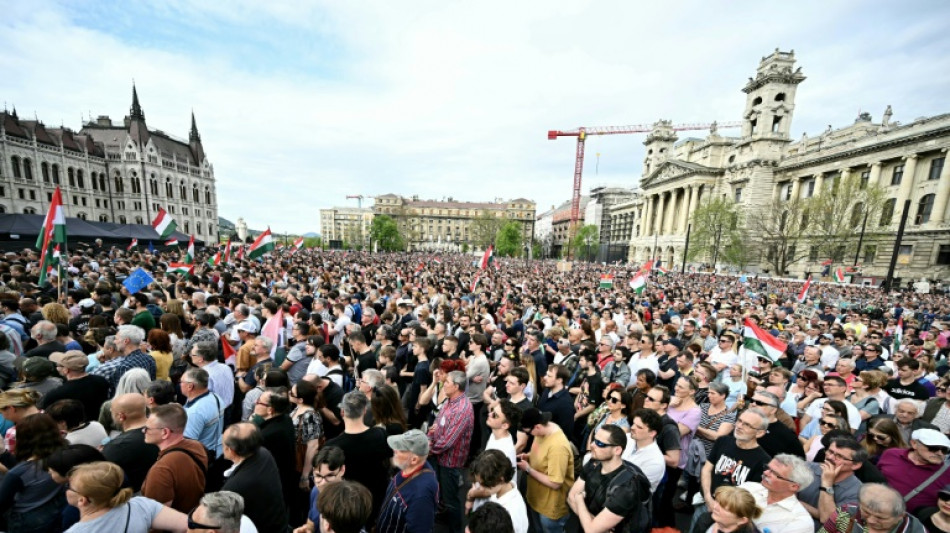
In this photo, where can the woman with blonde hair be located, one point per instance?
(56, 313)
(96, 490)
(15, 405)
(528, 363)
(733, 510)
(864, 399)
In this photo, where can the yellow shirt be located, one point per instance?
(163, 363)
(551, 455)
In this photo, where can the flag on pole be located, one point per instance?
(190, 253)
(53, 261)
(215, 259)
(475, 280)
(273, 328)
(839, 275)
(804, 293)
(756, 339)
(133, 244)
(638, 283)
(421, 267)
(180, 268)
(240, 252)
(138, 280)
(164, 224)
(54, 225)
(663, 270)
(298, 244)
(171, 242)
(606, 281)
(262, 244)
(227, 252)
(488, 258)
(230, 354)
(898, 334)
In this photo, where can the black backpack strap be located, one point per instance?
(203, 468)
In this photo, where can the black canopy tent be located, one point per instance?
(20, 231)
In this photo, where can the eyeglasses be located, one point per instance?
(725, 340)
(602, 444)
(880, 438)
(328, 477)
(944, 496)
(774, 474)
(262, 403)
(614, 399)
(834, 454)
(760, 403)
(69, 488)
(196, 525)
(743, 423)
(652, 399)
(146, 429)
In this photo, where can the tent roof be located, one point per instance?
(27, 227)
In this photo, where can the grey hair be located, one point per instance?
(459, 378)
(224, 508)
(760, 413)
(766, 394)
(133, 334)
(243, 310)
(369, 311)
(880, 498)
(208, 351)
(848, 362)
(374, 377)
(109, 342)
(46, 330)
(267, 342)
(354, 404)
(609, 339)
(719, 387)
(198, 376)
(799, 473)
(133, 381)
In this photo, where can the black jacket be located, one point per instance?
(264, 507)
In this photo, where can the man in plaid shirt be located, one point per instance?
(449, 439)
(127, 342)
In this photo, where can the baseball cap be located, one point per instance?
(39, 367)
(248, 327)
(87, 303)
(73, 359)
(532, 417)
(944, 490)
(674, 342)
(828, 336)
(413, 441)
(930, 437)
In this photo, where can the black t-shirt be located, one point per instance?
(667, 363)
(130, 451)
(780, 439)
(594, 388)
(332, 396)
(92, 391)
(365, 361)
(621, 492)
(367, 461)
(669, 437)
(733, 465)
(498, 382)
(914, 391)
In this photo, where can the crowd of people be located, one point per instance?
(343, 391)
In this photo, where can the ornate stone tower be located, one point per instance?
(659, 143)
(770, 99)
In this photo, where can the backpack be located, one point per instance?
(349, 382)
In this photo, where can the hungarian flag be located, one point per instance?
(230, 354)
(488, 258)
(898, 334)
(227, 252)
(273, 329)
(839, 275)
(133, 244)
(171, 242)
(164, 224)
(478, 276)
(214, 260)
(190, 253)
(638, 283)
(804, 294)
(647, 267)
(756, 339)
(54, 225)
(606, 281)
(263, 244)
(421, 267)
(180, 268)
(53, 262)
(663, 270)
(298, 244)
(240, 252)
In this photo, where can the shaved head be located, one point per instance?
(132, 405)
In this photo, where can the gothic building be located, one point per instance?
(116, 173)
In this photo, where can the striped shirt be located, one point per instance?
(453, 432)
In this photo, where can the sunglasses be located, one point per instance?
(827, 424)
(493, 414)
(937, 449)
(614, 399)
(760, 403)
(602, 444)
(197, 525)
(880, 438)
(944, 496)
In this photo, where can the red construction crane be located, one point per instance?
(582, 133)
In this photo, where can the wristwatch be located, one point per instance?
(829, 490)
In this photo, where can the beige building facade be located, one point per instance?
(348, 226)
(908, 160)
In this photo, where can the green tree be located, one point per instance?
(586, 241)
(783, 230)
(485, 228)
(718, 233)
(509, 239)
(385, 232)
(313, 242)
(839, 210)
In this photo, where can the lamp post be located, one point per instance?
(588, 239)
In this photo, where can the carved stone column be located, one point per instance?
(796, 188)
(943, 193)
(693, 200)
(684, 211)
(907, 182)
(819, 183)
(659, 214)
(875, 176)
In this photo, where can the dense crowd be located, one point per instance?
(345, 391)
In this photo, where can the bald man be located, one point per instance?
(129, 449)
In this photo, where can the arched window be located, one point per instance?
(195, 194)
(81, 216)
(94, 178)
(757, 101)
(856, 214)
(187, 230)
(887, 212)
(138, 220)
(198, 227)
(924, 207)
(102, 181)
(119, 188)
(15, 163)
(80, 182)
(208, 195)
(103, 218)
(27, 169)
(3, 209)
(211, 229)
(183, 190)
(168, 187)
(153, 185)
(122, 219)
(55, 174)
(29, 210)
(71, 176)
(780, 97)
(44, 169)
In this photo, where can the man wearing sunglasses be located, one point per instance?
(911, 470)
(778, 438)
(610, 493)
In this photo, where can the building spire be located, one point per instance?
(136, 112)
(194, 136)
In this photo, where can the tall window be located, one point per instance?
(168, 187)
(897, 175)
(55, 174)
(102, 181)
(183, 192)
(887, 212)
(195, 194)
(71, 176)
(865, 178)
(27, 169)
(80, 182)
(936, 167)
(44, 169)
(119, 187)
(810, 189)
(924, 207)
(208, 195)
(857, 214)
(15, 162)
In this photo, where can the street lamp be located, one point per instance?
(588, 239)
(526, 256)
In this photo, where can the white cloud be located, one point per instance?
(439, 99)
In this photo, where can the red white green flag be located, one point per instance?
(214, 260)
(133, 244)
(488, 258)
(298, 244)
(761, 342)
(638, 283)
(190, 254)
(180, 268)
(164, 224)
(839, 275)
(227, 252)
(606, 281)
(171, 242)
(803, 295)
(263, 244)
(52, 234)
(898, 335)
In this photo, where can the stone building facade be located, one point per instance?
(908, 160)
(117, 173)
(341, 226)
(447, 224)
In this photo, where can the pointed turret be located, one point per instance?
(194, 141)
(137, 128)
(14, 114)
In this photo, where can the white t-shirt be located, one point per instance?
(317, 367)
(93, 435)
(649, 459)
(513, 502)
(717, 356)
(854, 416)
(506, 445)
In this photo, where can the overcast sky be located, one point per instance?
(300, 106)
